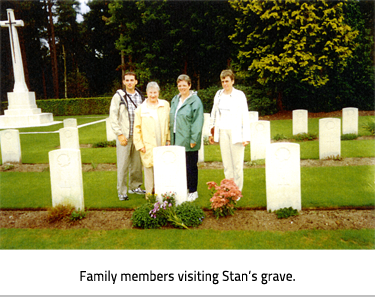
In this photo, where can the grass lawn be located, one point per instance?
(321, 187)
(174, 239)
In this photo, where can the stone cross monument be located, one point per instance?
(22, 110)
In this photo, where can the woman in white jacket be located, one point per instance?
(230, 126)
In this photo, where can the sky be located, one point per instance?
(84, 9)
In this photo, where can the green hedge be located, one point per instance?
(81, 106)
(257, 101)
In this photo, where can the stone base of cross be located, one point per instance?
(23, 112)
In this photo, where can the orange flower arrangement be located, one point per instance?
(224, 197)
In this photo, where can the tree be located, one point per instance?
(293, 40)
(162, 39)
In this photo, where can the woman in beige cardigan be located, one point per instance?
(151, 129)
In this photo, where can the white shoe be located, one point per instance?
(192, 196)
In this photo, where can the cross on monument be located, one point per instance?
(19, 76)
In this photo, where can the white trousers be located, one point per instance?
(233, 157)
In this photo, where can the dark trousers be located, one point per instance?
(192, 170)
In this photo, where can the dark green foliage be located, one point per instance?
(370, 126)
(77, 215)
(207, 96)
(104, 144)
(349, 136)
(141, 218)
(190, 214)
(71, 107)
(279, 137)
(168, 91)
(257, 99)
(286, 212)
(304, 137)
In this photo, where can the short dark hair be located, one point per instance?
(130, 73)
(227, 73)
(184, 77)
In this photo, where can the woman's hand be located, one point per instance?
(143, 150)
(245, 143)
(211, 140)
(122, 139)
(192, 145)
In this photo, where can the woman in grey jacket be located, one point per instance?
(186, 122)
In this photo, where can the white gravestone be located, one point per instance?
(253, 117)
(111, 136)
(283, 176)
(69, 138)
(66, 178)
(300, 121)
(260, 139)
(10, 146)
(70, 122)
(206, 132)
(22, 110)
(350, 120)
(329, 137)
(201, 151)
(170, 172)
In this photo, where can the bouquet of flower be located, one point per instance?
(224, 197)
(166, 208)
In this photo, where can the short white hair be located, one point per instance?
(152, 85)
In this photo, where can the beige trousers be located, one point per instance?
(149, 179)
(128, 162)
(232, 156)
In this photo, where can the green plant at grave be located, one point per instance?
(286, 212)
(304, 137)
(279, 137)
(167, 209)
(370, 126)
(190, 214)
(141, 218)
(8, 167)
(77, 215)
(349, 136)
(94, 165)
(104, 144)
(224, 197)
(334, 157)
(206, 141)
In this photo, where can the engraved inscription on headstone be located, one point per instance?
(283, 176)
(70, 122)
(69, 138)
(66, 178)
(300, 121)
(350, 120)
(329, 138)
(10, 146)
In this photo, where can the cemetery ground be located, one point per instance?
(337, 199)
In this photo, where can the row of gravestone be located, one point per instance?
(11, 143)
(282, 164)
